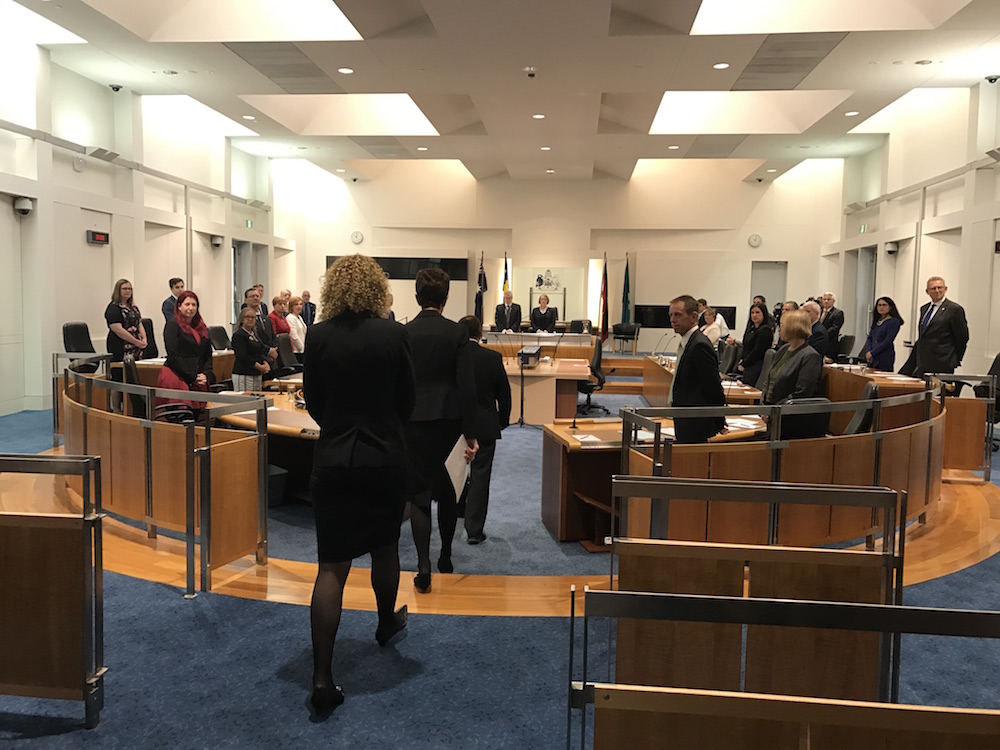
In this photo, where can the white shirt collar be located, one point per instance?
(687, 336)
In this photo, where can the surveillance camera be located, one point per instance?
(891, 248)
(216, 241)
(760, 179)
(354, 179)
(23, 206)
(993, 79)
(531, 75)
(116, 87)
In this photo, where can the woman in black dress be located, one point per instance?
(543, 317)
(189, 352)
(359, 387)
(250, 354)
(126, 335)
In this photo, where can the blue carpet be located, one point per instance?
(221, 672)
(26, 432)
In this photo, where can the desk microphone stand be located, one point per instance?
(520, 416)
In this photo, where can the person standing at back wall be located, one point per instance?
(943, 334)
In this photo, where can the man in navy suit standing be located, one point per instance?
(943, 334)
(308, 309)
(696, 379)
(167, 308)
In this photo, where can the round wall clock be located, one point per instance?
(357, 238)
(754, 240)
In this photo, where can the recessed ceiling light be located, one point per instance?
(924, 62)
(673, 148)
(421, 148)
(341, 171)
(303, 148)
(538, 117)
(345, 71)
(169, 72)
(550, 171)
(721, 66)
(772, 170)
(852, 113)
(546, 148)
(249, 117)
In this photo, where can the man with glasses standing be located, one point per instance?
(943, 334)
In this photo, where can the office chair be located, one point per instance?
(765, 369)
(151, 351)
(219, 337)
(844, 348)
(174, 413)
(588, 387)
(862, 419)
(982, 390)
(795, 426)
(288, 363)
(626, 332)
(579, 326)
(76, 338)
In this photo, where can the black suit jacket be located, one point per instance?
(265, 331)
(502, 321)
(941, 347)
(819, 339)
(442, 362)
(798, 377)
(308, 313)
(186, 355)
(359, 387)
(492, 392)
(544, 321)
(697, 383)
(833, 321)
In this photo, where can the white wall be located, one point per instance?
(11, 323)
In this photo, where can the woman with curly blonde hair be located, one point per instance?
(359, 387)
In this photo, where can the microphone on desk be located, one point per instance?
(668, 333)
(563, 333)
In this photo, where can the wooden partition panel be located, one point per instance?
(916, 482)
(853, 463)
(169, 477)
(936, 457)
(965, 435)
(689, 518)
(647, 717)
(73, 433)
(739, 523)
(811, 661)
(894, 464)
(234, 499)
(42, 611)
(99, 442)
(126, 494)
(678, 654)
(806, 461)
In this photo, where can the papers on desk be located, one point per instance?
(588, 438)
(641, 435)
(742, 423)
(899, 378)
(253, 412)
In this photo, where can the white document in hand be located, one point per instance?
(457, 468)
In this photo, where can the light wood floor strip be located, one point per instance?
(964, 530)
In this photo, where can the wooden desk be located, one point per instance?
(577, 471)
(549, 389)
(846, 383)
(149, 369)
(657, 377)
(563, 346)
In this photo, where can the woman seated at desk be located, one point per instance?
(543, 317)
(189, 352)
(797, 366)
(711, 328)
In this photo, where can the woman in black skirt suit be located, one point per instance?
(359, 387)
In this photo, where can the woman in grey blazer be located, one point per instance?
(797, 366)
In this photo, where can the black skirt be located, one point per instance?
(357, 510)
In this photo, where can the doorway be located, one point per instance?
(769, 278)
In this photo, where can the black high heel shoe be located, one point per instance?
(445, 565)
(324, 699)
(422, 583)
(384, 635)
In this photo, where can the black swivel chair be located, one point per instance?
(862, 419)
(219, 337)
(796, 426)
(765, 368)
(579, 326)
(151, 351)
(982, 390)
(844, 348)
(588, 387)
(288, 363)
(76, 338)
(175, 413)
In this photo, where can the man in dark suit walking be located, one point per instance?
(445, 410)
(492, 415)
(508, 315)
(696, 375)
(943, 334)
(833, 318)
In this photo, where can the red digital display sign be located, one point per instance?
(98, 238)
